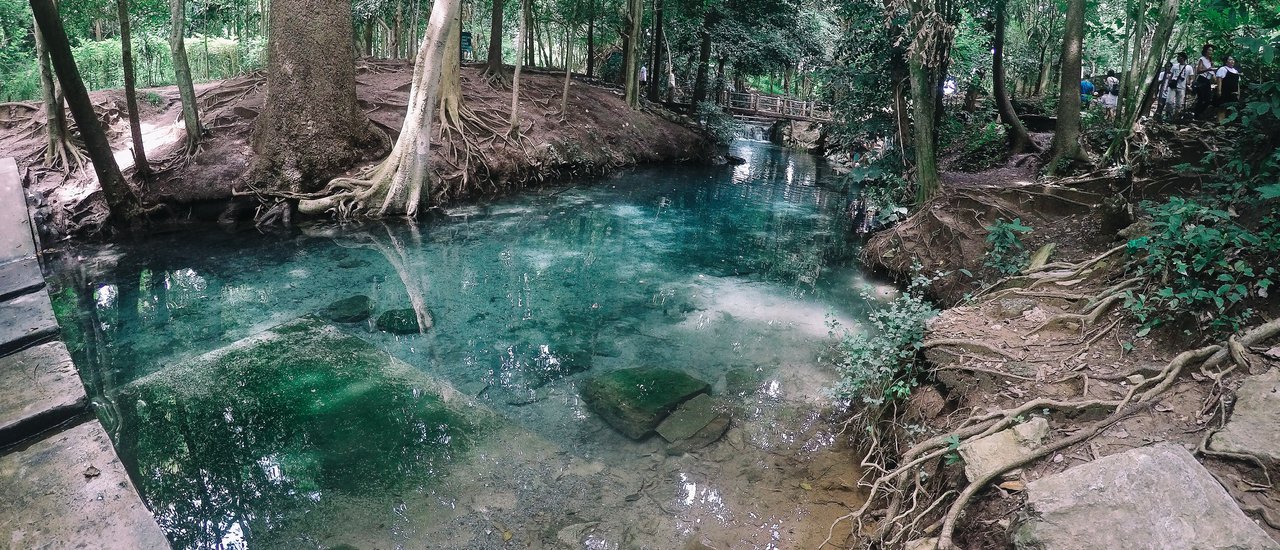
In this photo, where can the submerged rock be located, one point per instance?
(1151, 498)
(634, 401)
(349, 310)
(399, 321)
(695, 424)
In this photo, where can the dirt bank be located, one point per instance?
(1054, 342)
(596, 134)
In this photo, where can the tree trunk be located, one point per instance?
(141, 167)
(397, 45)
(1066, 137)
(451, 78)
(395, 186)
(568, 77)
(311, 127)
(635, 12)
(1018, 138)
(704, 60)
(928, 182)
(369, 24)
(59, 150)
(521, 36)
(1140, 81)
(719, 87)
(1042, 78)
(656, 72)
(182, 73)
(120, 199)
(493, 63)
(591, 39)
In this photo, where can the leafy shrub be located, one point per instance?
(1203, 265)
(879, 364)
(1005, 252)
(985, 148)
(720, 124)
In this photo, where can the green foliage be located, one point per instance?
(879, 364)
(720, 124)
(982, 146)
(1005, 252)
(1204, 265)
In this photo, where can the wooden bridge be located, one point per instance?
(769, 106)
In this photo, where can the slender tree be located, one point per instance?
(182, 73)
(635, 12)
(591, 38)
(655, 83)
(1140, 79)
(141, 167)
(521, 37)
(930, 46)
(704, 60)
(395, 186)
(121, 200)
(493, 68)
(1019, 140)
(311, 128)
(1066, 137)
(59, 150)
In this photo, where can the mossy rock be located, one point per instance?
(634, 401)
(399, 321)
(349, 310)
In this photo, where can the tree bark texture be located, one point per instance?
(1019, 140)
(59, 150)
(635, 12)
(656, 72)
(1066, 136)
(141, 167)
(311, 127)
(120, 199)
(182, 73)
(521, 36)
(704, 60)
(494, 59)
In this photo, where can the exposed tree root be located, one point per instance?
(903, 484)
(972, 344)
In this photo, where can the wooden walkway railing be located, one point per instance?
(776, 106)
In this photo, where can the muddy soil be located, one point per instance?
(597, 133)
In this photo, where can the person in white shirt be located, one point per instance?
(644, 75)
(1109, 102)
(1179, 80)
(1205, 72)
(1228, 82)
(1112, 82)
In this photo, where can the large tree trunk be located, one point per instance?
(182, 73)
(1066, 137)
(59, 150)
(655, 80)
(521, 36)
(311, 128)
(395, 186)
(928, 182)
(121, 200)
(635, 12)
(1018, 138)
(141, 167)
(493, 63)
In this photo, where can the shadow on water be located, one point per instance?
(247, 421)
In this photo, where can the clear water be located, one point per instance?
(727, 273)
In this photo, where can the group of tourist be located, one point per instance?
(1211, 86)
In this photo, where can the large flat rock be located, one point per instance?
(42, 388)
(70, 491)
(1254, 427)
(1149, 498)
(996, 451)
(16, 237)
(24, 320)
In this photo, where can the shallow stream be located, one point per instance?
(476, 436)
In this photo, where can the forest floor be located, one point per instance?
(597, 133)
(1057, 342)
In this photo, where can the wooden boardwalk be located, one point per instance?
(776, 107)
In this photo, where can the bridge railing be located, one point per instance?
(776, 105)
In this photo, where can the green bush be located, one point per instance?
(1005, 252)
(880, 364)
(986, 148)
(1202, 264)
(720, 124)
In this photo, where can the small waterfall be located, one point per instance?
(751, 131)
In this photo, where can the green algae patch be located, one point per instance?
(635, 401)
(270, 426)
(399, 321)
(349, 310)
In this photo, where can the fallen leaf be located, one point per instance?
(92, 472)
(1015, 485)
(806, 486)
(507, 535)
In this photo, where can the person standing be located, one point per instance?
(1205, 74)
(1112, 83)
(1179, 80)
(1086, 91)
(1163, 89)
(1228, 85)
